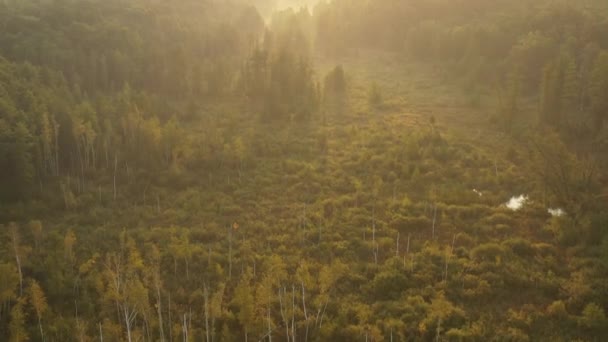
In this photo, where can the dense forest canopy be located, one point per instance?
(374, 170)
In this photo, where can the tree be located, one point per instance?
(335, 89)
(509, 98)
(36, 228)
(244, 300)
(17, 330)
(216, 307)
(18, 251)
(47, 140)
(440, 313)
(263, 294)
(9, 282)
(550, 89)
(125, 289)
(68, 244)
(182, 248)
(599, 89)
(279, 81)
(559, 91)
(529, 54)
(38, 301)
(16, 160)
(155, 270)
(570, 94)
(569, 179)
(593, 318)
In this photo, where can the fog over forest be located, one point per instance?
(303, 170)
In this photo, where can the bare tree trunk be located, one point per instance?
(323, 314)
(434, 219)
(115, 170)
(185, 329)
(293, 313)
(94, 160)
(147, 326)
(56, 148)
(40, 327)
(445, 273)
(305, 313)
(159, 309)
(374, 225)
(269, 322)
(230, 253)
(375, 253)
(105, 147)
(397, 249)
(187, 268)
(174, 266)
(438, 331)
(206, 295)
(127, 323)
(412, 264)
(283, 314)
(170, 321)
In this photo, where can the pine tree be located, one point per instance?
(559, 91)
(509, 98)
(549, 98)
(570, 98)
(599, 89)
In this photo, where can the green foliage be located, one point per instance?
(16, 160)
(593, 318)
(17, 329)
(487, 252)
(9, 283)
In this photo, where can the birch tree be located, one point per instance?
(39, 303)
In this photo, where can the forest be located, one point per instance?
(300, 170)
